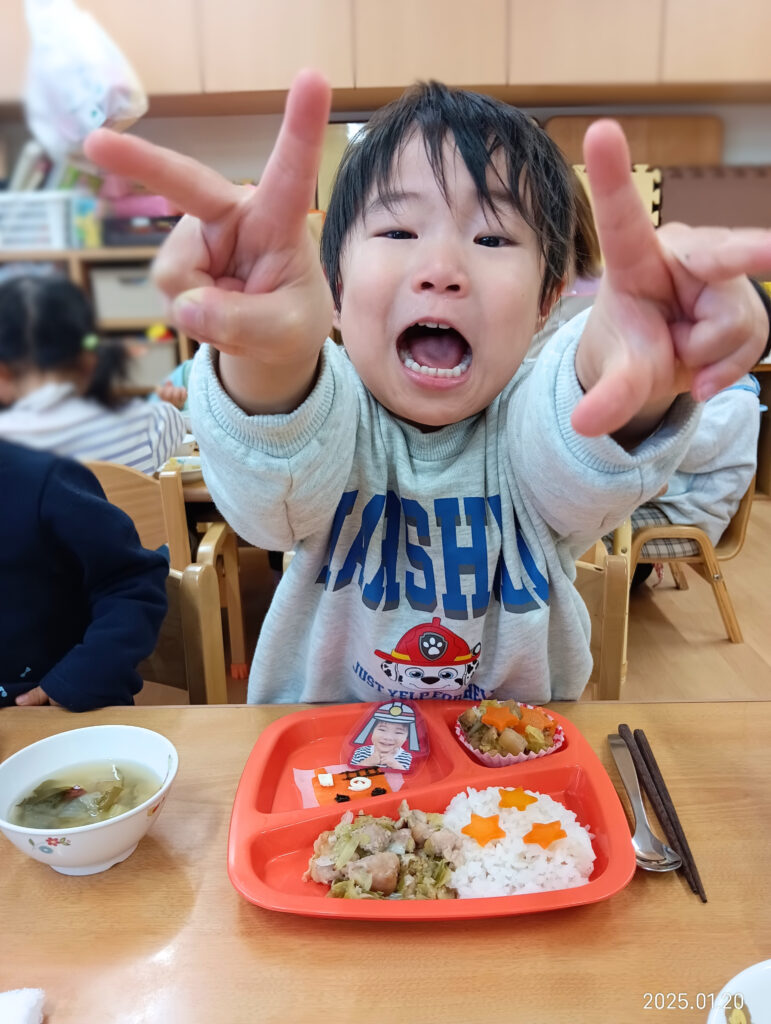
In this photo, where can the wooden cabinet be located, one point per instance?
(14, 43)
(158, 37)
(716, 41)
(454, 41)
(261, 46)
(556, 42)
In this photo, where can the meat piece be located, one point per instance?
(383, 868)
(402, 841)
(446, 844)
(373, 837)
(322, 869)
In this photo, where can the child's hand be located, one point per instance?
(674, 312)
(174, 394)
(35, 698)
(241, 268)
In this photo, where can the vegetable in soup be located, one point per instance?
(83, 794)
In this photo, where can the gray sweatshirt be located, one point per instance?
(435, 564)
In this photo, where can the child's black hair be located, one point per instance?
(538, 178)
(45, 320)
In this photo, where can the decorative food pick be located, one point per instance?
(484, 830)
(516, 798)
(341, 786)
(545, 834)
(500, 717)
(392, 736)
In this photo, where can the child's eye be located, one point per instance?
(493, 241)
(397, 233)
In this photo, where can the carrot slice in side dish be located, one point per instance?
(537, 718)
(500, 717)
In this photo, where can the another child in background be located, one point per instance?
(710, 481)
(175, 387)
(81, 601)
(423, 475)
(57, 382)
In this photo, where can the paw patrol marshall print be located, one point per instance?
(431, 658)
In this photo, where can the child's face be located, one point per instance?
(387, 737)
(440, 264)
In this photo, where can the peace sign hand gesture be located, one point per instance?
(674, 311)
(241, 269)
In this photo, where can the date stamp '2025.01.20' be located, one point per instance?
(736, 1012)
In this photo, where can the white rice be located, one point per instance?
(508, 866)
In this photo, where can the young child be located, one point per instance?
(712, 476)
(57, 381)
(435, 493)
(81, 601)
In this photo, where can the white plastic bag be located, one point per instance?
(77, 78)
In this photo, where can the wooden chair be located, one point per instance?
(602, 580)
(157, 507)
(706, 560)
(190, 652)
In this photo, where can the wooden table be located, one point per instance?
(164, 938)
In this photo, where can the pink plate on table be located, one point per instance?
(273, 828)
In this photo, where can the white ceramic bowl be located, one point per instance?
(87, 849)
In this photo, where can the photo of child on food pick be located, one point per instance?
(435, 490)
(392, 735)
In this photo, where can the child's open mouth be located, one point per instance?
(434, 350)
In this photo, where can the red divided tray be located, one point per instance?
(272, 834)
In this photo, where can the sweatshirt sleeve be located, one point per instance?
(592, 483)
(125, 584)
(276, 479)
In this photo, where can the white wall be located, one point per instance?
(239, 146)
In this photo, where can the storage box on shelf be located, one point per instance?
(34, 220)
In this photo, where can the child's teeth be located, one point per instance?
(432, 371)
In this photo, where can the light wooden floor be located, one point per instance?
(677, 647)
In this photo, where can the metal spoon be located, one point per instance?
(650, 852)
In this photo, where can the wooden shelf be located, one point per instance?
(128, 323)
(107, 254)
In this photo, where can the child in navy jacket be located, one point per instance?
(81, 601)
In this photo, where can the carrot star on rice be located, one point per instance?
(545, 834)
(516, 798)
(484, 830)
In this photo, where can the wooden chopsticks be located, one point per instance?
(656, 790)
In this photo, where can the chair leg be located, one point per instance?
(678, 575)
(724, 603)
(238, 666)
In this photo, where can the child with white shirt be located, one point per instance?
(57, 381)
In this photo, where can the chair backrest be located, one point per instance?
(190, 653)
(732, 541)
(157, 507)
